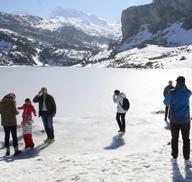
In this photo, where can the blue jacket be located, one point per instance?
(178, 100)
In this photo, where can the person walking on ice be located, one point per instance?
(47, 110)
(28, 109)
(122, 107)
(178, 100)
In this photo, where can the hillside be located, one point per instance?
(63, 41)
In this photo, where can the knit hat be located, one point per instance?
(180, 79)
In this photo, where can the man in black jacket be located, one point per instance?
(47, 110)
(165, 92)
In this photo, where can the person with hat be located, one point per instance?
(47, 110)
(178, 100)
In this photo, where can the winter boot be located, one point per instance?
(46, 140)
(7, 152)
(50, 140)
(17, 151)
(32, 146)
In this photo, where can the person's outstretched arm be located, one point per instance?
(20, 108)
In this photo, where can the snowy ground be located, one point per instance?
(151, 56)
(88, 147)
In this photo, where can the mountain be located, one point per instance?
(156, 35)
(90, 24)
(162, 22)
(73, 13)
(16, 49)
(59, 41)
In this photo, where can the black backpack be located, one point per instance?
(125, 104)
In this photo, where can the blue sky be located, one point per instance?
(108, 9)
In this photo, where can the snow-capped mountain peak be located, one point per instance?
(91, 24)
(73, 13)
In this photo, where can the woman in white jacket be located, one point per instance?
(120, 116)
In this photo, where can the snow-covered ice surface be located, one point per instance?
(88, 147)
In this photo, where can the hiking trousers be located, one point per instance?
(120, 117)
(13, 131)
(185, 132)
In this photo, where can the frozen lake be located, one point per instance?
(84, 101)
(85, 122)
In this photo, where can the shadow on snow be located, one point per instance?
(178, 177)
(117, 142)
(26, 154)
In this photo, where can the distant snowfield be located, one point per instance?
(88, 147)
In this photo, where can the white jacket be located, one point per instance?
(118, 99)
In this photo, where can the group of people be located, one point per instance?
(177, 114)
(177, 111)
(8, 111)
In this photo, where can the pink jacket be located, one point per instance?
(28, 109)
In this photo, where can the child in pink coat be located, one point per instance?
(28, 109)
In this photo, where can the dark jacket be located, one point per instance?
(8, 112)
(178, 99)
(167, 89)
(49, 102)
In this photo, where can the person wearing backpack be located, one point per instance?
(178, 100)
(122, 107)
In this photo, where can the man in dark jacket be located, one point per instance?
(8, 113)
(47, 110)
(165, 92)
(178, 99)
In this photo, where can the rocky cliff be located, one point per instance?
(157, 16)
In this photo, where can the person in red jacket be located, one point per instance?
(28, 109)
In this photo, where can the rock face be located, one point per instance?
(158, 15)
(16, 50)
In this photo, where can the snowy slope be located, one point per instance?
(88, 147)
(17, 50)
(173, 35)
(150, 57)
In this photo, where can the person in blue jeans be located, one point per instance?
(47, 110)
(178, 100)
(8, 113)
